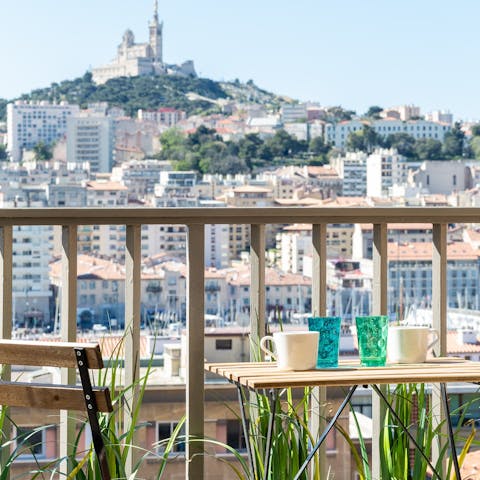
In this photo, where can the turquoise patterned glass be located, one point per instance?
(328, 339)
(372, 335)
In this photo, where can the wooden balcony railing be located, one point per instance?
(195, 220)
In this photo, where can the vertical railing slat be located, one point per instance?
(68, 331)
(195, 390)
(379, 307)
(132, 335)
(257, 290)
(439, 322)
(319, 308)
(6, 239)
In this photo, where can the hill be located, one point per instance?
(194, 95)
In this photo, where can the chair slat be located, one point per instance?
(47, 354)
(53, 397)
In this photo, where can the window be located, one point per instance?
(165, 431)
(235, 437)
(223, 344)
(31, 441)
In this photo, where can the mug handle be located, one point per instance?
(433, 342)
(265, 349)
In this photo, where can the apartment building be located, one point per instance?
(337, 134)
(444, 177)
(295, 242)
(292, 112)
(140, 176)
(176, 189)
(410, 275)
(90, 139)
(286, 293)
(385, 168)
(352, 168)
(292, 182)
(166, 116)
(29, 123)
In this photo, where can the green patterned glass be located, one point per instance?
(329, 335)
(372, 335)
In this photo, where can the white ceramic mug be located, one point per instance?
(409, 343)
(293, 350)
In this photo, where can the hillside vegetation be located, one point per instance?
(194, 95)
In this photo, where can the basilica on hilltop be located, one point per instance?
(134, 59)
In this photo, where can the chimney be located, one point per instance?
(171, 359)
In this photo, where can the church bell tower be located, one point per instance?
(156, 36)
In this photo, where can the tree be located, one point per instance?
(224, 165)
(42, 151)
(317, 146)
(282, 144)
(402, 142)
(365, 139)
(173, 145)
(428, 149)
(374, 112)
(338, 114)
(3, 153)
(454, 142)
(202, 135)
(475, 146)
(476, 130)
(248, 146)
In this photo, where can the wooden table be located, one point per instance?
(265, 375)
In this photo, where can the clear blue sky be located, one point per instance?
(353, 53)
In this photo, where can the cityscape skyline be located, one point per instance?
(309, 51)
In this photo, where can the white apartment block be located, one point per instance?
(29, 123)
(337, 134)
(416, 128)
(90, 140)
(385, 168)
(295, 243)
(217, 252)
(444, 176)
(292, 112)
(165, 116)
(107, 240)
(176, 189)
(140, 176)
(352, 167)
(31, 287)
(299, 130)
(440, 116)
(32, 251)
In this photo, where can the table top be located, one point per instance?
(258, 375)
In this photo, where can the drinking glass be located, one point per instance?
(372, 334)
(328, 339)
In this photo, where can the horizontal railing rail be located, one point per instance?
(237, 215)
(71, 219)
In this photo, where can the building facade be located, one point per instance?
(90, 140)
(29, 123)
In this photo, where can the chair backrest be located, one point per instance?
(47, 395)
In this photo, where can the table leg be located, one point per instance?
(451, 439)
(273, 405)
(405, 429)
(246, 433)
(325, 432)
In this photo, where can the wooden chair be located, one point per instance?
(86, 397)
